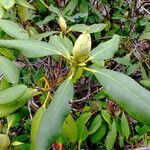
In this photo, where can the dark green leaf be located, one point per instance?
(96, 123)
(96, 137)
(106, 117)
(111, 137)
(70, 129)
(125, 126)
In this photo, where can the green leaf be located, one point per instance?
(99, 134)
(46, 20)
(54, 9)
(42, 35)
(124, 60)
(84, 8)
(35, 125)
(145, 36)
(96, 123)
(70, 129)
(13, 118)
(31, 48)
(143, 73)
(4, 141)
(83, 133)
(96, 13)
(125, 126)
(51, 123)
(64, 49)
(2, 12)
(105, 50)
(83, 119)
(4, 84)
(9, 70)
(82, 130)
(12, 93)
(127, 93)
(93, 28)
(106, 117)
(132, 69)
(9, 108)
(111, 137)
(25, 4)
(22, 13)
(13, 29)
(145, 83)
(72, 4)
(7, 4)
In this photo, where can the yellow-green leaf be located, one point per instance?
(7, 4)
(13, 29)
(11, 94)
(9, 70)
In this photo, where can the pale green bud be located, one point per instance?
(82, 46)
(62, 23)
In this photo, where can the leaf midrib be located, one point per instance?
(123, 86)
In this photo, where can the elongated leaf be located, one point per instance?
(96, 137)
(82, 129)
(9, 108)
(13, 29)
(25, 4)
(7, 4)
(35, 125)
(106, 117)
(145, 83)
(60, 45)
(46, 20)
(125, 126)
(93, 28)
(13, 118)
(105, 50)
(9, 70)
(4, 84)
(12, 93)
(127, 93)
(54, 9)
(95, 124)
(52, 120)
(84, 4)
(30, 48)
(70, 129)
(2, 12)
(111, 137)
(71, 7)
